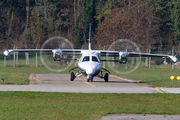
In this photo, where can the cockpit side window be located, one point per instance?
(94, 59)
(86, 58)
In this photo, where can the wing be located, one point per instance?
(64, 51)
(57, 53)
(124, 55)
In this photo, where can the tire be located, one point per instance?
(106, 77)
(72, 76)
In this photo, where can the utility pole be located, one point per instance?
(14, 57)
(149, 57)
(104, 58)
(172, 55)
(4, 61)
(127, 61)
(36, 58)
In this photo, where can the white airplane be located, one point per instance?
(90, 63)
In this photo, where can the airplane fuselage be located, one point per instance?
(90, 63)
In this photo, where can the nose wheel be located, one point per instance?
(89, 80)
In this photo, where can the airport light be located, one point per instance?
(178, 78)
(172, 78)
(2, 81)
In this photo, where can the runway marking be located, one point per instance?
(87, 82)
(164, 90)
(161, 90)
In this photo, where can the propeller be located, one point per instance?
(57, 44)
(126, 64)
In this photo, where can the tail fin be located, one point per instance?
(90, 37)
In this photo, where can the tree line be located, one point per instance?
(28, 23)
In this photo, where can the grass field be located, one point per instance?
(78, 106)
(154, 76)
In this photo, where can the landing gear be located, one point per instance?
(72, 76)
(89, 80)
(72, 73)
(106, 77)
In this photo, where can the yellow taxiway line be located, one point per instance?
(87, 82)
(164, 90)
(161, 90)
(158, 89)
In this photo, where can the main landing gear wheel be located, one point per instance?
(72, 76)
(106, 77)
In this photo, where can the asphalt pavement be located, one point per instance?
(62, 83)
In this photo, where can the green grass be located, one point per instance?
(20, 75)
(154, 77)
(79, 106)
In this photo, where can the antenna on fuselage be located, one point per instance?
(90, 36)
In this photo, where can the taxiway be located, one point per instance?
(61, 83)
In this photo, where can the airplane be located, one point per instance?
(90, 63)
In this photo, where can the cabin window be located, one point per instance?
(86, 58)
(94, 59)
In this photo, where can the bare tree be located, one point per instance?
(27, 14)
(45, 10)
(137, 24)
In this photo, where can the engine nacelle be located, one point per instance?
(57, 55)
(123, 57)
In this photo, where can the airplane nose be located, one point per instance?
(89, 71)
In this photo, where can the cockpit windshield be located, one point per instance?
(86, 58)
(94, 59)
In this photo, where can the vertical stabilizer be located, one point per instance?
(90, 37)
